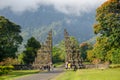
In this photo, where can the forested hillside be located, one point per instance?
(38, 24)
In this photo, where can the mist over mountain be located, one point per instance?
(38, 23)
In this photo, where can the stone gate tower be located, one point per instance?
(72, 52)
(44, 54)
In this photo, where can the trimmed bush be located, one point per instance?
(114, 66)
(5, 69)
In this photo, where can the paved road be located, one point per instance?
(43, 75)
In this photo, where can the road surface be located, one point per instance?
(43, 75)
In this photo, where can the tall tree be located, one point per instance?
(108, 28)
(108, 17)
(10, 38)
(31, 50)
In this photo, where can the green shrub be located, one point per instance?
(114, 66)
(5, 69)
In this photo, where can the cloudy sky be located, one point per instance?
(65, 6)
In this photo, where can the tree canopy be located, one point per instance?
(31, 50)
(108, 29)
(10, 38)
(108, 18)
(84, 47)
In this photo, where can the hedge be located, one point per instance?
(5, 69)
(114, 66)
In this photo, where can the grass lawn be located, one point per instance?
(16, 74)
(90, 74)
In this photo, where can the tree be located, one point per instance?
(56, 54)
(108, 17)
(31, 50)
(108, 28)
(84, 47)
(114, 55)
(20, 58)
(10, 38)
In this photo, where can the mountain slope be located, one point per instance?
(38, 24)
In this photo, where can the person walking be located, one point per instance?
(69, 65)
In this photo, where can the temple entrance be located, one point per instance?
(44, 55)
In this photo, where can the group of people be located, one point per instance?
(69, 66)
(47, 67)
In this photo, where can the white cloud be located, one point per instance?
(75, 7)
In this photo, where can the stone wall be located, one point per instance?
(98, 66)
(23, 67)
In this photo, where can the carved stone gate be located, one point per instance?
(73, 55)
(44, 54)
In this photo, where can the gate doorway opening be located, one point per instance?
(44, 55)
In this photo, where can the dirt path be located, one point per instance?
(43, 75)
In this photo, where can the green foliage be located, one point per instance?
(32, 42)
(20, 58)
(100, 49)
(108, 17)
(17, 74)
(114, 66)
(114, 55)
(59, 52)
(90, 55)
(107, 47)
(5, 69)
(10, 38)
(62, 52)
(56, 54)
(31, 50)
(29, 55)
(84, 47)
(74, 41)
